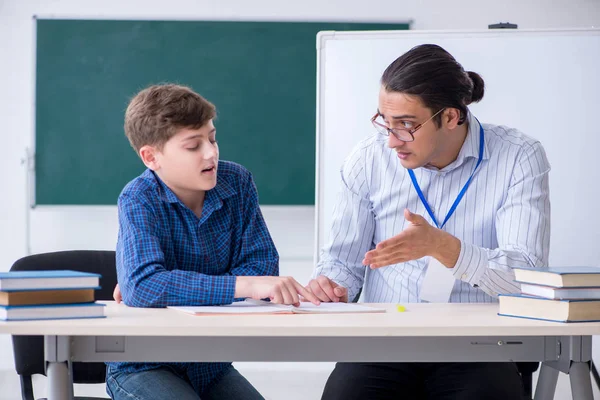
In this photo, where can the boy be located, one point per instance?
(190, 233)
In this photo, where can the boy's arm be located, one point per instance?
(144, 280)
(256, 254)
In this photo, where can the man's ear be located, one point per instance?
(450, 118)
(148, 154)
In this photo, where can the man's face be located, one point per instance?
(405, 111)
(188, 161)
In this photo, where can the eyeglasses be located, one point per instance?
(404, 134)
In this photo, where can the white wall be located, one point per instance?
(51, 228)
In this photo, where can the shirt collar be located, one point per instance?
(470, 147)
(165, 193)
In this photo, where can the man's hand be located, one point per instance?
(117, 294)
(418, 240)
(280, 289)
(327, 290)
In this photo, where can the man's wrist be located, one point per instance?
(446, 249)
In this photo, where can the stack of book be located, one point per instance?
(27, 295)
(567, 294)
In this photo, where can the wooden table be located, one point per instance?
(424, 333)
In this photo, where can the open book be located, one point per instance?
(250, 306)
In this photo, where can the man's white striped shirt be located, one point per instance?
(503, 220)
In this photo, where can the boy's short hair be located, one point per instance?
(158, 112)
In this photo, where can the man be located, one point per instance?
(435, 189)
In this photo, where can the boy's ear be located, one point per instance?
(148, 154)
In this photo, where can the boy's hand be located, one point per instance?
(280, 289)
(117, 294)
(327, 290)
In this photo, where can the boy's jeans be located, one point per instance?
(163, 383)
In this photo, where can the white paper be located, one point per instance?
(247, 306)
(250, 306)
(335, 308)
(438, 283)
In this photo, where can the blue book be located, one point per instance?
(54, 311)
(559, 276)
(564, 293)
(47, 280)
(523, 306)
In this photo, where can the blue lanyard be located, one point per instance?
(460, 195)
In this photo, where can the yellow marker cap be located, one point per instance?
(400, 308)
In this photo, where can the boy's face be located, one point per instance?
(188, 161)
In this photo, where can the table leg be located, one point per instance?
(546, 384)
(58, 369)
(59, 381)
(581, 382)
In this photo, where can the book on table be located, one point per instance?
(56, 311)
(523, 306)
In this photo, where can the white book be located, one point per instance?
(523, 306)
(46, 280)
(54, 311)
(250, 306)
(559, 276)
(549, 292)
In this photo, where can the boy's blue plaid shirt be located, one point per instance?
(166, 255)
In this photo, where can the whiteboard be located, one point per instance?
(544, 83)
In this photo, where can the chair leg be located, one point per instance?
(26, 387)
(527, 385)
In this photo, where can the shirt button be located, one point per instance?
(464, 276)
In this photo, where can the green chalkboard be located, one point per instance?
(260, 75)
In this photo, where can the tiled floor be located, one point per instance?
(291, 381)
